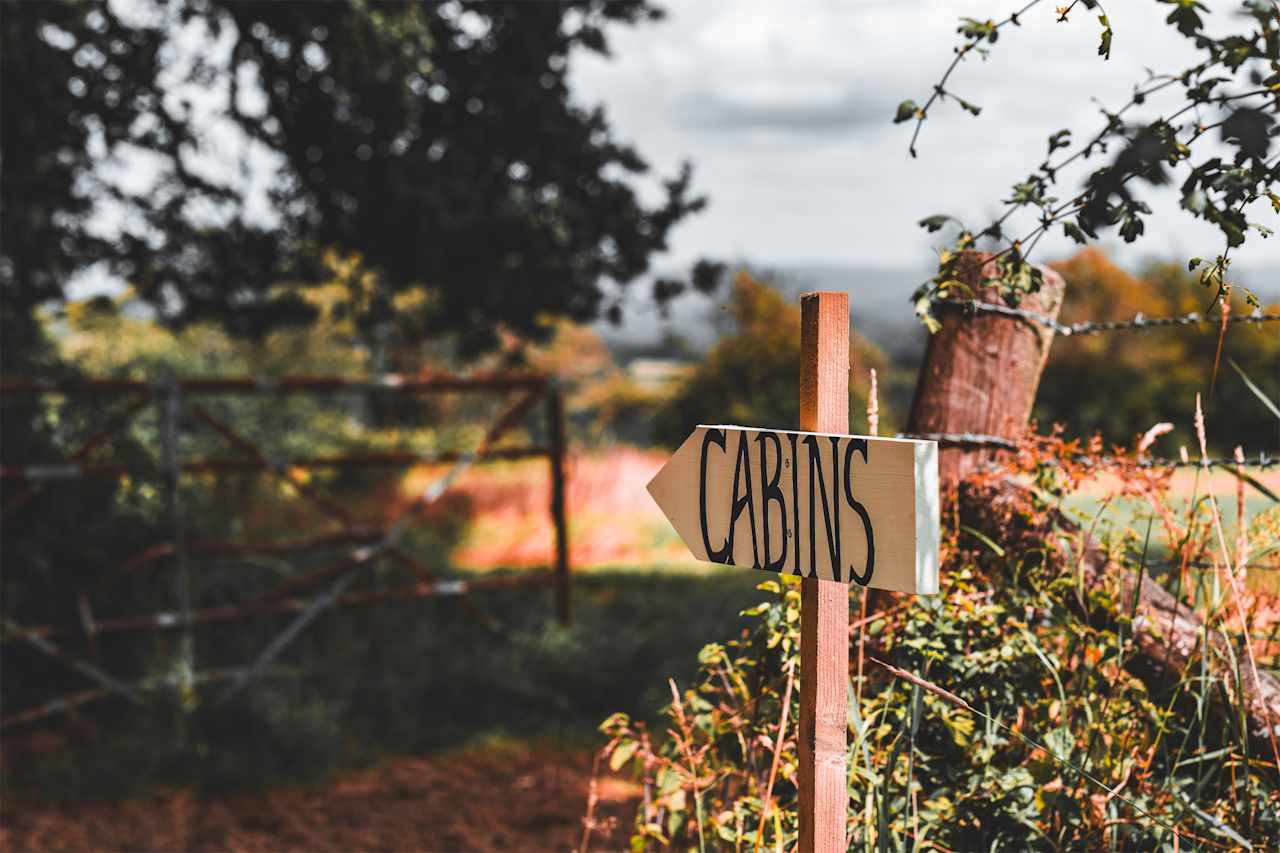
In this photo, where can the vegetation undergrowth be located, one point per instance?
(1023, 713)
(394, 679)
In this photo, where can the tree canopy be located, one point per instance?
(438, 142)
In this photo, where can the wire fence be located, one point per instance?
(968, 439)
(1140, 322)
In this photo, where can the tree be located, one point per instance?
(1231, 92)
(1138, 379)
(438, 141)
(749, 376)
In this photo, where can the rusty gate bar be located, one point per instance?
(555, 422)
(222, 464)
(438, 382)
(172, 621)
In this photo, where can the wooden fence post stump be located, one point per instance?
(981, 373)
(824, 621)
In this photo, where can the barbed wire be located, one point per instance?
(969, 439)
(962, 439)
(1092, 327)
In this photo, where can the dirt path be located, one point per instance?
(509, 799)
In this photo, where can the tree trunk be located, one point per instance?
(981, 372)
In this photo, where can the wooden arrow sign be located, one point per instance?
(837, 507)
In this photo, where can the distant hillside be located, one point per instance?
(879, 302)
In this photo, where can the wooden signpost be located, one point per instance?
(863, 507)
(832, 508)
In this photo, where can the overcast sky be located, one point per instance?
(785, 111)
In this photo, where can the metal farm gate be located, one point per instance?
(180, 406)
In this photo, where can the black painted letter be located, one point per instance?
(771, 492)
(795, 501)
(832, 520)
(712, 436)
(743, 467)
(860, 445)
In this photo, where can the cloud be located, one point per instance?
(843, 111)
(786, 111)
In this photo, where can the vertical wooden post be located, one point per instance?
(171, 464)
(559, 515)
(824, 624)
(980, 373)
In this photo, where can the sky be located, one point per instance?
(786, 112)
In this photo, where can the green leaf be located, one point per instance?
(1104, 49)
(1186, 19)
(622, 754)
(1193, 263)
(984, 539)
(1073, 231)
(1061, 139)
(907, 110)
(934, 223)
(1257, 392)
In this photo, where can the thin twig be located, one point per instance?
(1236, 594)
(777, 752)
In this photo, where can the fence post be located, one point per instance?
(171, 465)
(824, 605)
(559, 515)
(980, 373)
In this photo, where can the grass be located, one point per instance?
(1094, 508)
(409, 678)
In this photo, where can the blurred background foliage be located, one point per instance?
(613, 398)
(1122, 384)
(749, 376)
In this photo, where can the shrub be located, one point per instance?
(1066, 741)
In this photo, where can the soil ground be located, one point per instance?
(509, 798)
